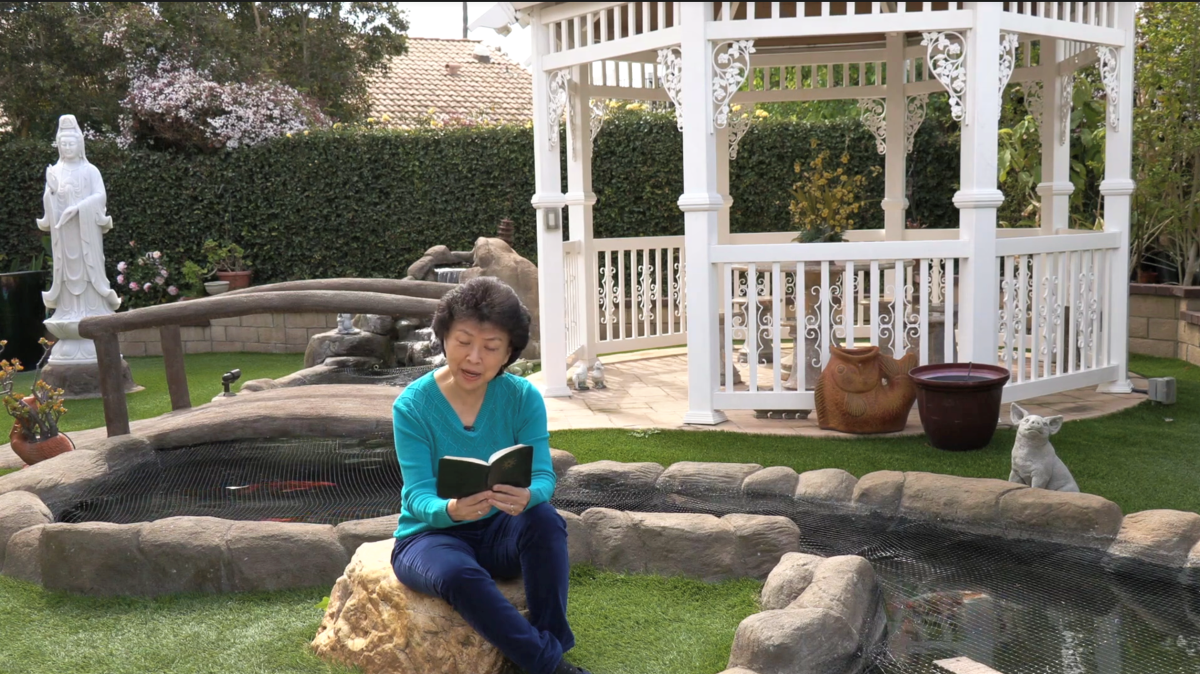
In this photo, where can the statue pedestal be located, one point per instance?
(73, 367)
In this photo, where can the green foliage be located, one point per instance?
(224, 256)
(825, 202)
(348, 202)
(78, 56)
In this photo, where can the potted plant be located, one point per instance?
(825, 202)
(959, 403)
(228, 261)
(35, 436)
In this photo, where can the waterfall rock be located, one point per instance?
(495, 258)
(438, 256)
(361, 344)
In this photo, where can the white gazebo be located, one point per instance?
(1048, 303)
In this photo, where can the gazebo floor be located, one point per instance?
(648, 389)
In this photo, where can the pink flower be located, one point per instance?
(121, 266)
(121, 277)
(163, 272)
(156, 255)
(172, 291)
(133, 285)
(159, 280)
(146, 288)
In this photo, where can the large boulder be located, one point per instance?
(331, 344)
(609, 476)
(879, 492)
(94, 558)
(375, 323)
(1081, 519)
(968, 502)
(772, 481)
(495, 258)
(354, 533)
(794, 641)
(699, 478)
(562, 461)
(184, 554)
(696, 546)
(761, 541)
(790, 577)
(22, 557)
(1163, 537)
(827, 485)
(438, 256)
(377, 624)
(20, 510)
(263, 555)
(579, 544)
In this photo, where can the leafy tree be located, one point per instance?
(79, 57)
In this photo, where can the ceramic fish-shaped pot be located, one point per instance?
(864, 391)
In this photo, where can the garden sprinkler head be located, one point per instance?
(227, 379)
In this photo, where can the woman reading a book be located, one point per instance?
(453, 548)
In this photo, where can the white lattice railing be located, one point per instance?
(1055, 311)
(1102, 14)
(586, 24)
(751, 11)
(781, 300)
(575, 300)
(640, 300)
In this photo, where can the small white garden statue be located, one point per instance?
(598, 376)
(581, 377)
(346, 325)
(1034, 462)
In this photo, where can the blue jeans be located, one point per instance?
(458, 564)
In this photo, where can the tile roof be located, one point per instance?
(496, 87)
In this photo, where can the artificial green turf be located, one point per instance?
(204, 372)
(1142, 459)
(655, 625)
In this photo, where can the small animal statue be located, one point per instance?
(864, 391)
(346, 324)
(580, 377)
(598, 376)
(1034, 462)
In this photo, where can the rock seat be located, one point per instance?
(377, 624)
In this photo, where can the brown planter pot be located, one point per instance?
(237, 279)
(33, 452)
(1146, 276)
(959, 403)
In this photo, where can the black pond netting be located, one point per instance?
(1019, 607)
(384, 376)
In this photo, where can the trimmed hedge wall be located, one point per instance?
(345, 203)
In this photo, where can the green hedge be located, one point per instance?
(345, 203)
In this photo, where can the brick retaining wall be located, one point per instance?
(1165, 321)
(259, 333)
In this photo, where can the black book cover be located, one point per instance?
(459, 476)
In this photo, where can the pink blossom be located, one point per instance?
(146, 288)
(121, 266)
(160, 280)
(133, 285)
(163, 272)
(172, 291)
(121, 277)
(156, 254)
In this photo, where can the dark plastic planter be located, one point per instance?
(21, 315)
(959, 403)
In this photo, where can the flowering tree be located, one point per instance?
(175, 105)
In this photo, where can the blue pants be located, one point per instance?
(459, 563)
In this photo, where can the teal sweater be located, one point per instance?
(427, 428)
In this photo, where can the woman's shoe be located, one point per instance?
(565, 667)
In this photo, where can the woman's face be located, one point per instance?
(475, 352)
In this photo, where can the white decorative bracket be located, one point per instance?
(914, 117)
(599, 108)
(1067, 95)
(670, 60)
(738, 127)
(945, 60)
(1008, 62)
(1034, 103)
(1112, 84)
(730, 67)
(557, 102)
(874, 117)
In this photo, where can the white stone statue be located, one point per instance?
(74, 201)
(1034, 462)
(346, 325)
(581, 376)
(598, 376)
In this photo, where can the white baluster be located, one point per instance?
(1061, 329)
(924, 315)
(848, 305)
(800, 343)
(1026, 290)
(1100, 355)
(726, 11)
(874, 308)
(730, 290)
(775, 10)
(1011, 314)
(949, 310)
(752, 326)
(776, 327)
(826, 300)
(899, 311)
(662, 15)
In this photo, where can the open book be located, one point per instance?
(459, 476)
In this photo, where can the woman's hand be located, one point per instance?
(511, 500)
(471, 507)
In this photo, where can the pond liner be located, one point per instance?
(1018, 606)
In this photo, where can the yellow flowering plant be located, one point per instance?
(39, 412)
(825, 203)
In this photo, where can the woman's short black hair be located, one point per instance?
(487, 300)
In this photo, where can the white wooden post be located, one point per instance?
(548, 200)
(894, 201)
(580, 199)
(722, 139)
(978, 197)
(1117, 188)
(1055, 188)
(701, 204)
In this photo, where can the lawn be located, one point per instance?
(1142, 458)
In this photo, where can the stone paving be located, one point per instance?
(648, 389)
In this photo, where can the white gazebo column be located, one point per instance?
(701, 204)
(894, 201)
(580, 199)
(1055, 130)
(978, 197)
(1116, 71)
(548, 200)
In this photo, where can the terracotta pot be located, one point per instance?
(959, 403)
(237, 279)
(33, 452)
(864, 391)
(1147, 276)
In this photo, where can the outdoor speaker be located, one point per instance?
(1162, 390)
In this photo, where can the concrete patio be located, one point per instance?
(648, 389)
